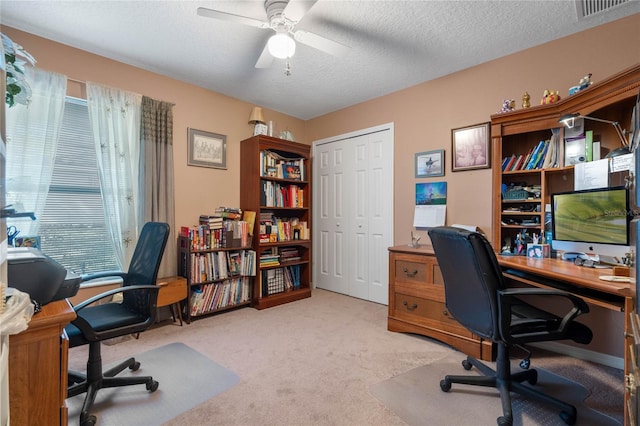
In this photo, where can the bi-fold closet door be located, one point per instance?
(353, 214)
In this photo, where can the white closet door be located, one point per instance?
(353, 214)
(329, 220)
(380, 214)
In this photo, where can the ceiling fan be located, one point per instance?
(282, 15)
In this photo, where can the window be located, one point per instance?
(72, 227)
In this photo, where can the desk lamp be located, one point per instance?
(569, 120)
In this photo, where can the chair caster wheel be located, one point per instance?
(503, 421)
(90, 420)
(445, 385)
(568, 418)
(525, 364)
(135, 366)
(153, 386)
(466, 365)
(533, 378)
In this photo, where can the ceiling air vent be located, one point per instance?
(587, 8)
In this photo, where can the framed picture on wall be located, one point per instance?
(207, 149)
(429, 163)
(470, 146)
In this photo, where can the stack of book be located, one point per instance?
(289, 254)
(269, 258)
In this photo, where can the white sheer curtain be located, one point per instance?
(32, 139)
(115, 122)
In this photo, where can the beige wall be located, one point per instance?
(198, 190)
(425, 114)
(423, 117)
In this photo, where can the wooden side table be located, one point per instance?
(173, 290)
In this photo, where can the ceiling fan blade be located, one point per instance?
(224, 16)
(321, 43)
(296, 9)
(265, 60)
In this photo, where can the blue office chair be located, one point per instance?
(135, 313)
(478, 298)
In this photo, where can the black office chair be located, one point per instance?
(477, 297)
(135, 313)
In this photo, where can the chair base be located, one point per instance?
(96, 379)
(505, 382)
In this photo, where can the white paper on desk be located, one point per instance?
(429, 216)
(591, 175)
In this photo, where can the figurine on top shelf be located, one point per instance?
(508, 105)
(526, 100)
(582, 84)
(549, 97)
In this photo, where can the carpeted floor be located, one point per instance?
(187, 378)
(313, 362)
(416, 397)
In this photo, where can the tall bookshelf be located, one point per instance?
(275, 184)
(218, 278)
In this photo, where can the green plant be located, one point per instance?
(16, 58)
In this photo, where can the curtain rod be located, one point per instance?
(84, 82)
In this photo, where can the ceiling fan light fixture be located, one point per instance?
(282, 46)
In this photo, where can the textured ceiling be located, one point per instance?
(394, 44)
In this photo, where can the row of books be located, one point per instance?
(203, 237)
(211, 266)
(283, 229)
(279, 280)
(210, 297)
(542, 156)
(276, 195)
(279, 165)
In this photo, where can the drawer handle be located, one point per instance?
(412, 307)
(410, 274)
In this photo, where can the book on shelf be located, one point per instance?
(281, 165)
(575, 150)
(588, 145)
(249, 217)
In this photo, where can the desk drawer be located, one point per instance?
(431, 313)
(411, 271)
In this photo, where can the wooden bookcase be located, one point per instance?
(270, 193)
(518, 131)
(206, 292)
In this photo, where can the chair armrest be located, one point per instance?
(579, 306)
(103, 274)
(91, 300)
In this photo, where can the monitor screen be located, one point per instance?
(594, 221)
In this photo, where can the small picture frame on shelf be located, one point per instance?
(206, 149)
(470, 146)
(429, 163)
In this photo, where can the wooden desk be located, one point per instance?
(583, 282)
(416, 302)
(38, 363)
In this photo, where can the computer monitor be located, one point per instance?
(593, 221)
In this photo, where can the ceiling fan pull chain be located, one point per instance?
(287, 68)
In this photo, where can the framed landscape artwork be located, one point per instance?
(470, 146)
(429, 163)
(207, 149)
